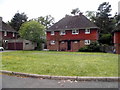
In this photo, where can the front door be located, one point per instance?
(69, 45)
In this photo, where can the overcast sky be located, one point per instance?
(57, 8)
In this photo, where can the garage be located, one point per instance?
(20, 44)
(15, 46)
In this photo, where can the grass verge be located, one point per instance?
(61, 63)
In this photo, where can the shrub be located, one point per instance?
(105, 39)
(93, 47)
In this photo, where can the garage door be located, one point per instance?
(15, 46)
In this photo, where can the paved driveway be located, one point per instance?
(9, 50)
(19, 82)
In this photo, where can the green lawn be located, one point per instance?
(61, 63)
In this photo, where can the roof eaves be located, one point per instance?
(8, 30)
(71, 29)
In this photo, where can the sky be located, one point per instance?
(56, 8)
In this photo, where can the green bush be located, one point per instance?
(105, 39)
(93, 47)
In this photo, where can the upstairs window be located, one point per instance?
(75, 31)
(52, 42)
(87, 31)
(5, 33)
(13, 34)
(87, 42)
(62, 32)
(52, 33)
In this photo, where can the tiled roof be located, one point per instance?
(7, 27)
(72, 22)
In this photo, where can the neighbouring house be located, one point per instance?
(71, 33)
(6, 33)
(117, 39)
(10, 41)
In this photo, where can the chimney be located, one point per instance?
(66, 15)
(80, 13)
(0, 23)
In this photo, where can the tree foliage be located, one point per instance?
(106, 39)
(18, 20)
(103, 19)
(47, 21)
(32, 31)
(91, 15)
(117, 18)
(75, 11)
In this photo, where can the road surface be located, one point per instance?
(23, 82)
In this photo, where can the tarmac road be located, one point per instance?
(23, 82)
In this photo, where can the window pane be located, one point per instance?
(87, 31)
(52, 32)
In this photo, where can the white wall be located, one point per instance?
(28, 45)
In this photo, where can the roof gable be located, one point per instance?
(6, 27)
(72, 22)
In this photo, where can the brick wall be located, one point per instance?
(9, 35)
(63, 46)
(52, 47)
(75, 45)
(117, 42)
(69, 36)
(77, 41)
(117, 37)
(117, 48)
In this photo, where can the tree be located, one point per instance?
(91, 15)
(33, 31)
(103, 20)
(47, 21)
(117, 18)
(117, 25)
(75, 11)
(18, 20)
(106, 39)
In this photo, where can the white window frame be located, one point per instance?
(75, 41)
(62, 32)
(6, 41)
(87, 42)
(75, 32)
(52, 33)
(52, 42)
(62, 42)
(87, 31)
(13, 34)
(5, 33)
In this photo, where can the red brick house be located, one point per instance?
(117, 39)
(6, 33)
(71, 33)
